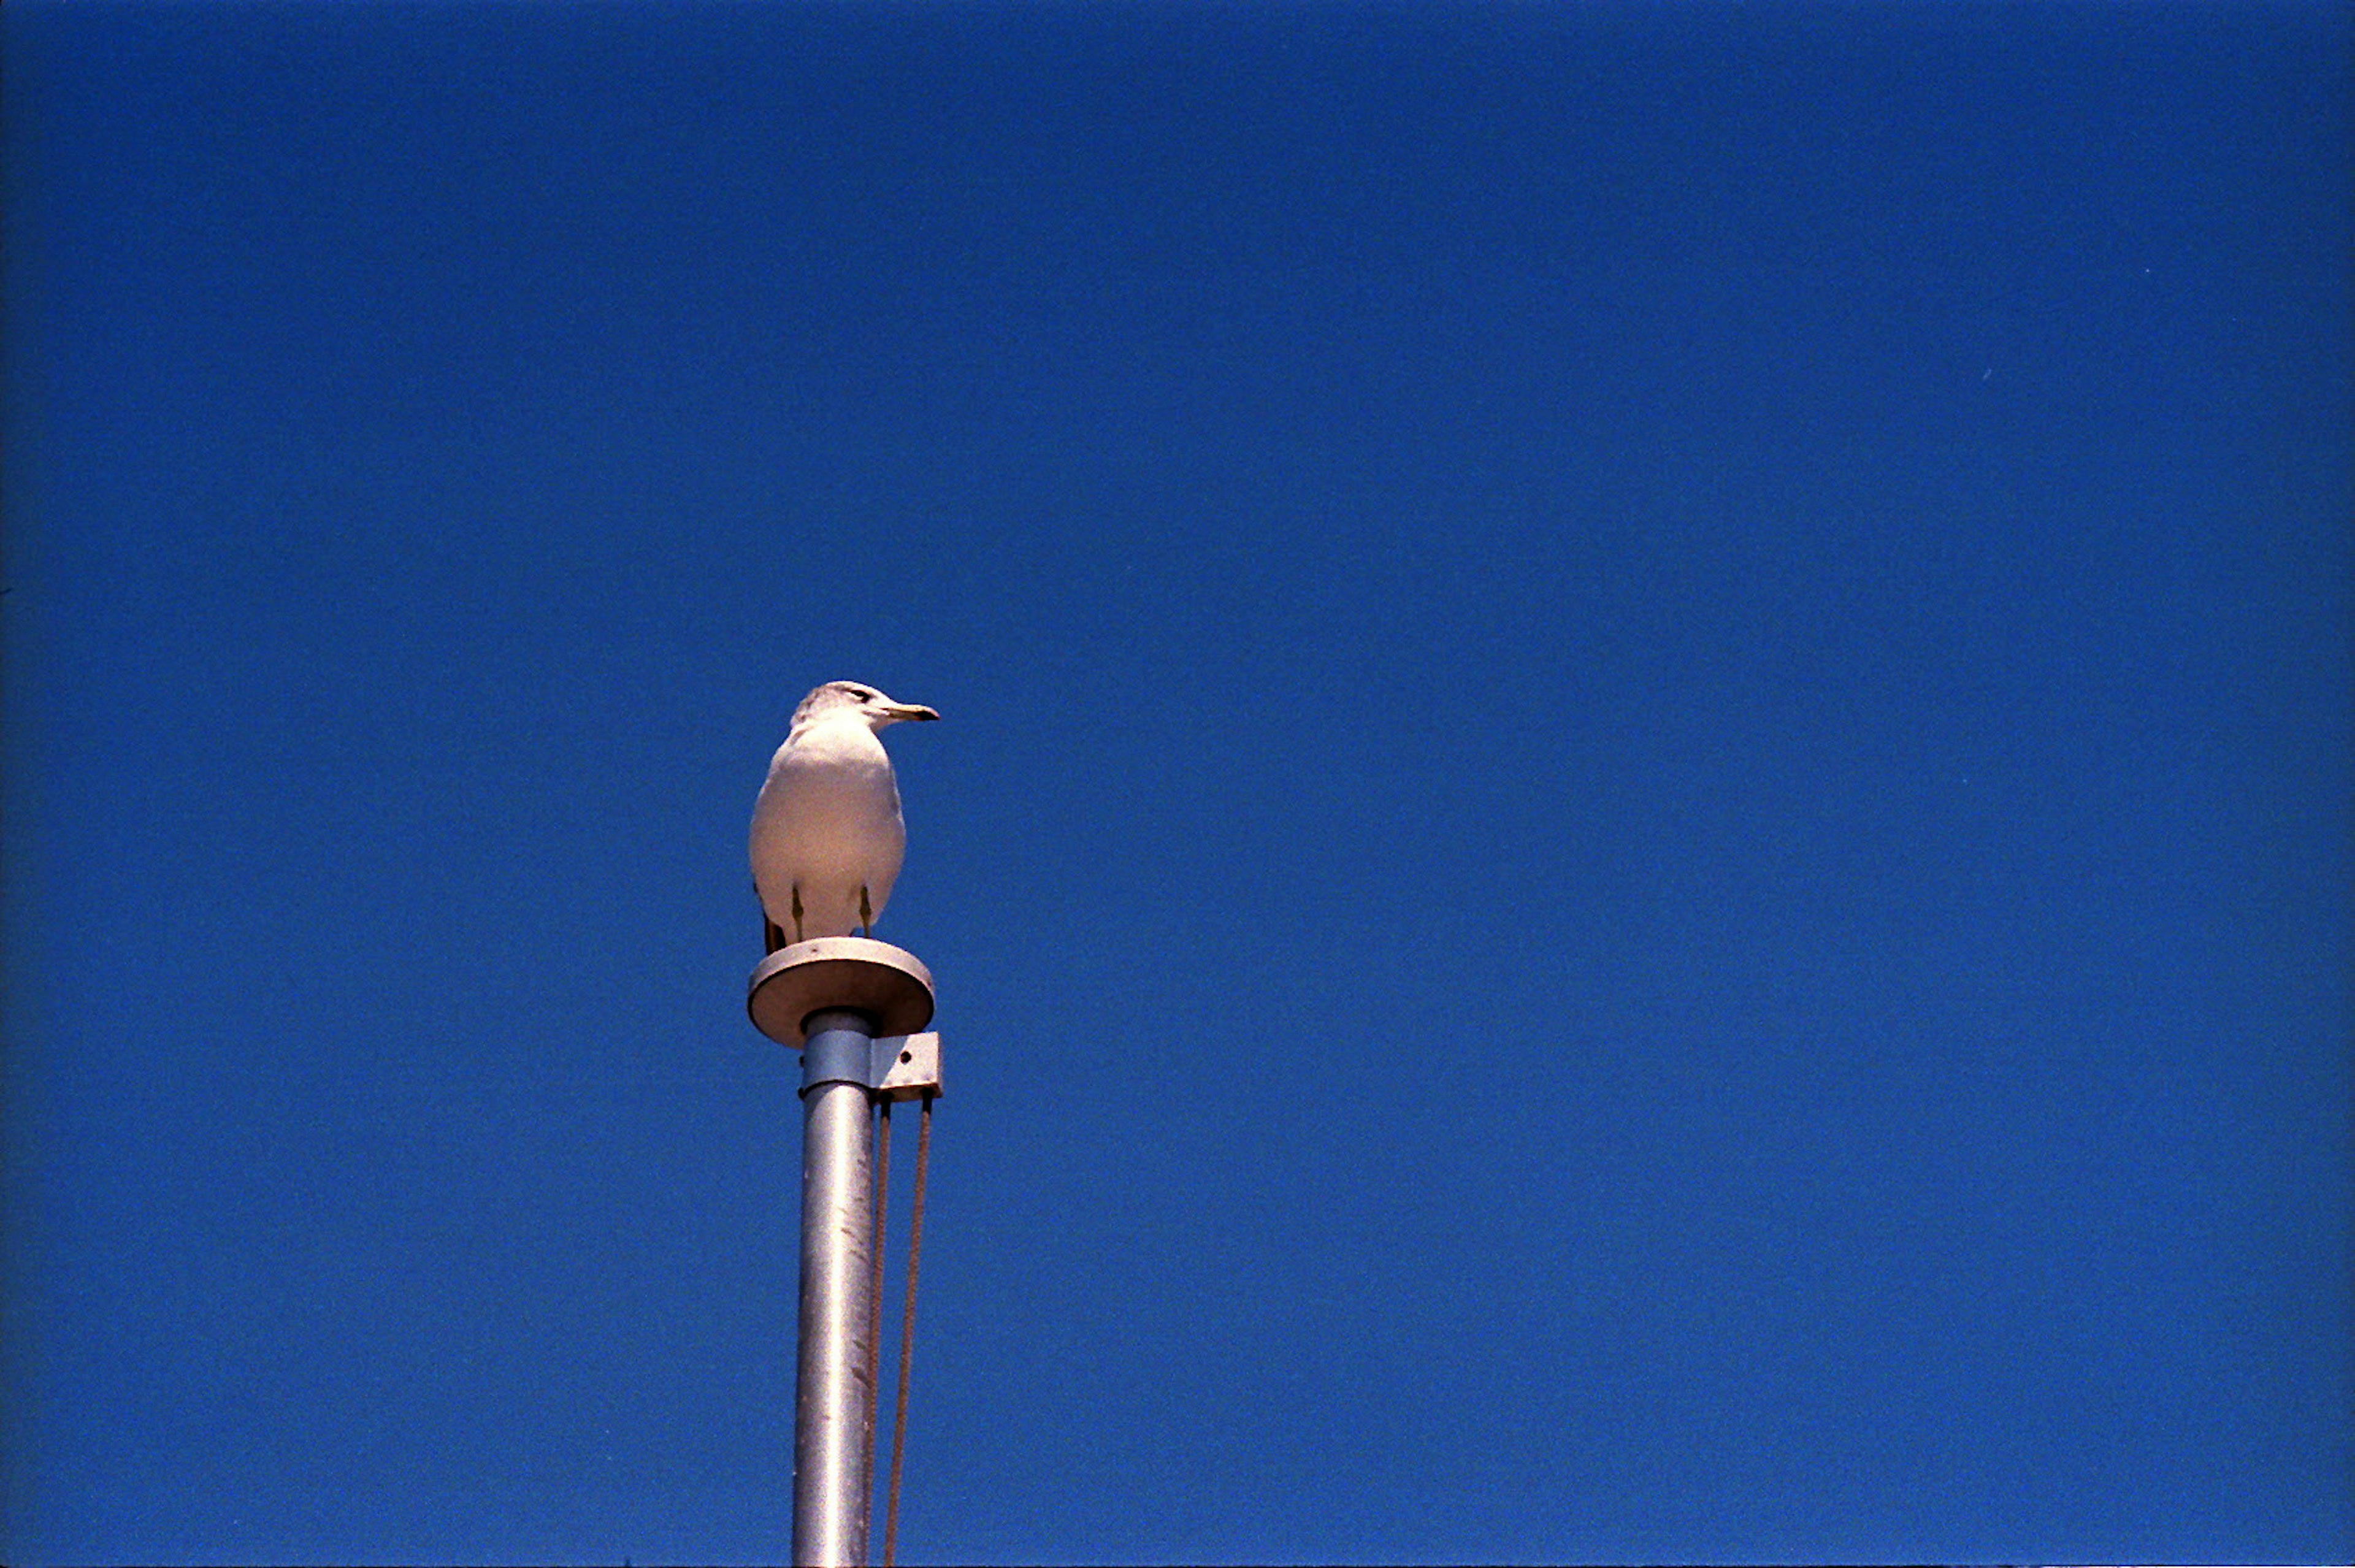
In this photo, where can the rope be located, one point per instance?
(907, 1336)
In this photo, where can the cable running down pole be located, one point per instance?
(907, 1333)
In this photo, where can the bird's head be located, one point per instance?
(845, 698)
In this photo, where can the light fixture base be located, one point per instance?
(892, 987)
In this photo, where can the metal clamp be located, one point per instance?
(907, 1066)
(891, 1067)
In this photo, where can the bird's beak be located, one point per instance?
(910, 710)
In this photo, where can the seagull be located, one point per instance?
(826, 831)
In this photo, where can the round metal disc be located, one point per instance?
(855, 972)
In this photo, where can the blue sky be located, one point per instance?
(1641, 846)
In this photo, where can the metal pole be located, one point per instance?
(834, 1413)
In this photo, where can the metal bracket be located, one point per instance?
(907, 1066)
(890, 1066)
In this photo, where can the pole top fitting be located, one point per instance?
(889, 986)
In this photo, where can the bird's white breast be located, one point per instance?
(827, 822)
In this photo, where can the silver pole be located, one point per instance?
(834, 1412)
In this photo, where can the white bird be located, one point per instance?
(826, 831)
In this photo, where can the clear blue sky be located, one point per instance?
(1641, 847)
